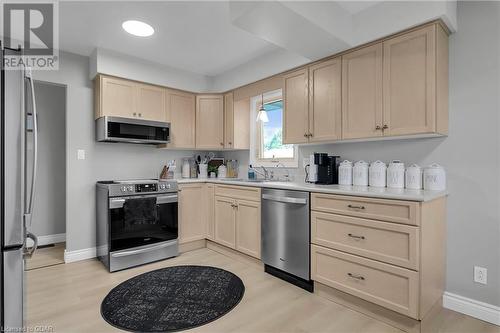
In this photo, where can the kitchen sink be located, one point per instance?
(245, 180)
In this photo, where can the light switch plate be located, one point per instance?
(480, 275)
(81, 154)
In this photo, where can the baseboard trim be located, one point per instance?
(72, 256)
(48, 239)
(480, 310)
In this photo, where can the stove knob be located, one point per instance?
(130, 188)
(168, 186)
(124, 189)
(162, 186)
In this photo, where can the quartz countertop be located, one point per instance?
(358, 191)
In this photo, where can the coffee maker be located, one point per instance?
(324, 169)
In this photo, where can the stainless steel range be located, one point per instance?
(136, 222)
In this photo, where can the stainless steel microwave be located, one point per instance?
(118, 129)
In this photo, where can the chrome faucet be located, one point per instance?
(264, 174)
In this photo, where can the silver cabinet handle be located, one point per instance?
(356, 207)
(356, 237)
(28, 253)
(284, 199)
(145, 250)
(355, 276)
(378, 128)
(385, 127)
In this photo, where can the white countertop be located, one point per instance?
(359, 191)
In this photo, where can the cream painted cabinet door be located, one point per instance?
(224, 217)
(210, 121)
(362, 93)
(192, 219)
(181, 113)
(228, 121)
(295, 108)
(151, 102)
(325, 107)
(410, 83)
(209, 209)
(241, 124)
(248, 228)
(118, 98)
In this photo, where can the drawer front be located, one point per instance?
(392, 243)
(389, 286)
(379, 209)
(238, 192)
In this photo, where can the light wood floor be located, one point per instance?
(67, 298)
(47, 256)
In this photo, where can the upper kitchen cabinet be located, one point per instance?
(295, 108)
(416, 82)
(181, 113)
(129, 99)
(325, 108)
(362, 93)
(210, 121)
(150, 102)
(115, 97)
(236, 123)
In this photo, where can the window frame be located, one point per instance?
(256, 144)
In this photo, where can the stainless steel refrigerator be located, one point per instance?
(18, 145)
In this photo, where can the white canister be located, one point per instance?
(434, 178)
(345, 173)
(377, 174)
(222, 171)
(203, 170)
(396, 174)
(360, 174)
(413, 177)
(186, 168)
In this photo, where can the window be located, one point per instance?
(267, 148)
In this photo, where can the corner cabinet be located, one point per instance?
(129, 99)
(180, 108)
(237, 218)
(210, 121)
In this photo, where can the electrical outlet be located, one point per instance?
(480, 275)
(81, 154)
(305, 161)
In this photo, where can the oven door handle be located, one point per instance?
(166, 199)
(139, 251)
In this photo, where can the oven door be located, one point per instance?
(128, 229)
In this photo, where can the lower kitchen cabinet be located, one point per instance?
(225, 228)
(248, 227)
(192, 220)
(237, 221)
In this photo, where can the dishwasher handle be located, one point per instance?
(299, 201)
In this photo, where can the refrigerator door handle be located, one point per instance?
(28, 252)
(29, 77)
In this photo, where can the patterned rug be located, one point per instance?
(172, 299)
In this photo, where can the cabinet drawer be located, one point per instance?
(379, 209)
(389, 242)
(389, 286)
(238, 192)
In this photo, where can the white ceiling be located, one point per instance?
(194, 36)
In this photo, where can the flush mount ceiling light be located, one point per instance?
(262, 115)
(138, 28)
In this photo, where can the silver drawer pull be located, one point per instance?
(356, 237)
(356, 207)
(357, 277)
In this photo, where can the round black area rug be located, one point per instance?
(172, 299)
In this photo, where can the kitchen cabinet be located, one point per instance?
(325, 108)
(225, 227)
(295, 107)
(248, 227)
(209, 210)
(411, 77)
(129, 99)
(237, 218)
(192, 219)
(362, 93)
(181, 113)
(150, 102)
(236, 123)
(210, 121)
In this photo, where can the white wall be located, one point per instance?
(471, 152)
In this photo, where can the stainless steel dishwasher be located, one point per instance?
(286, 236)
